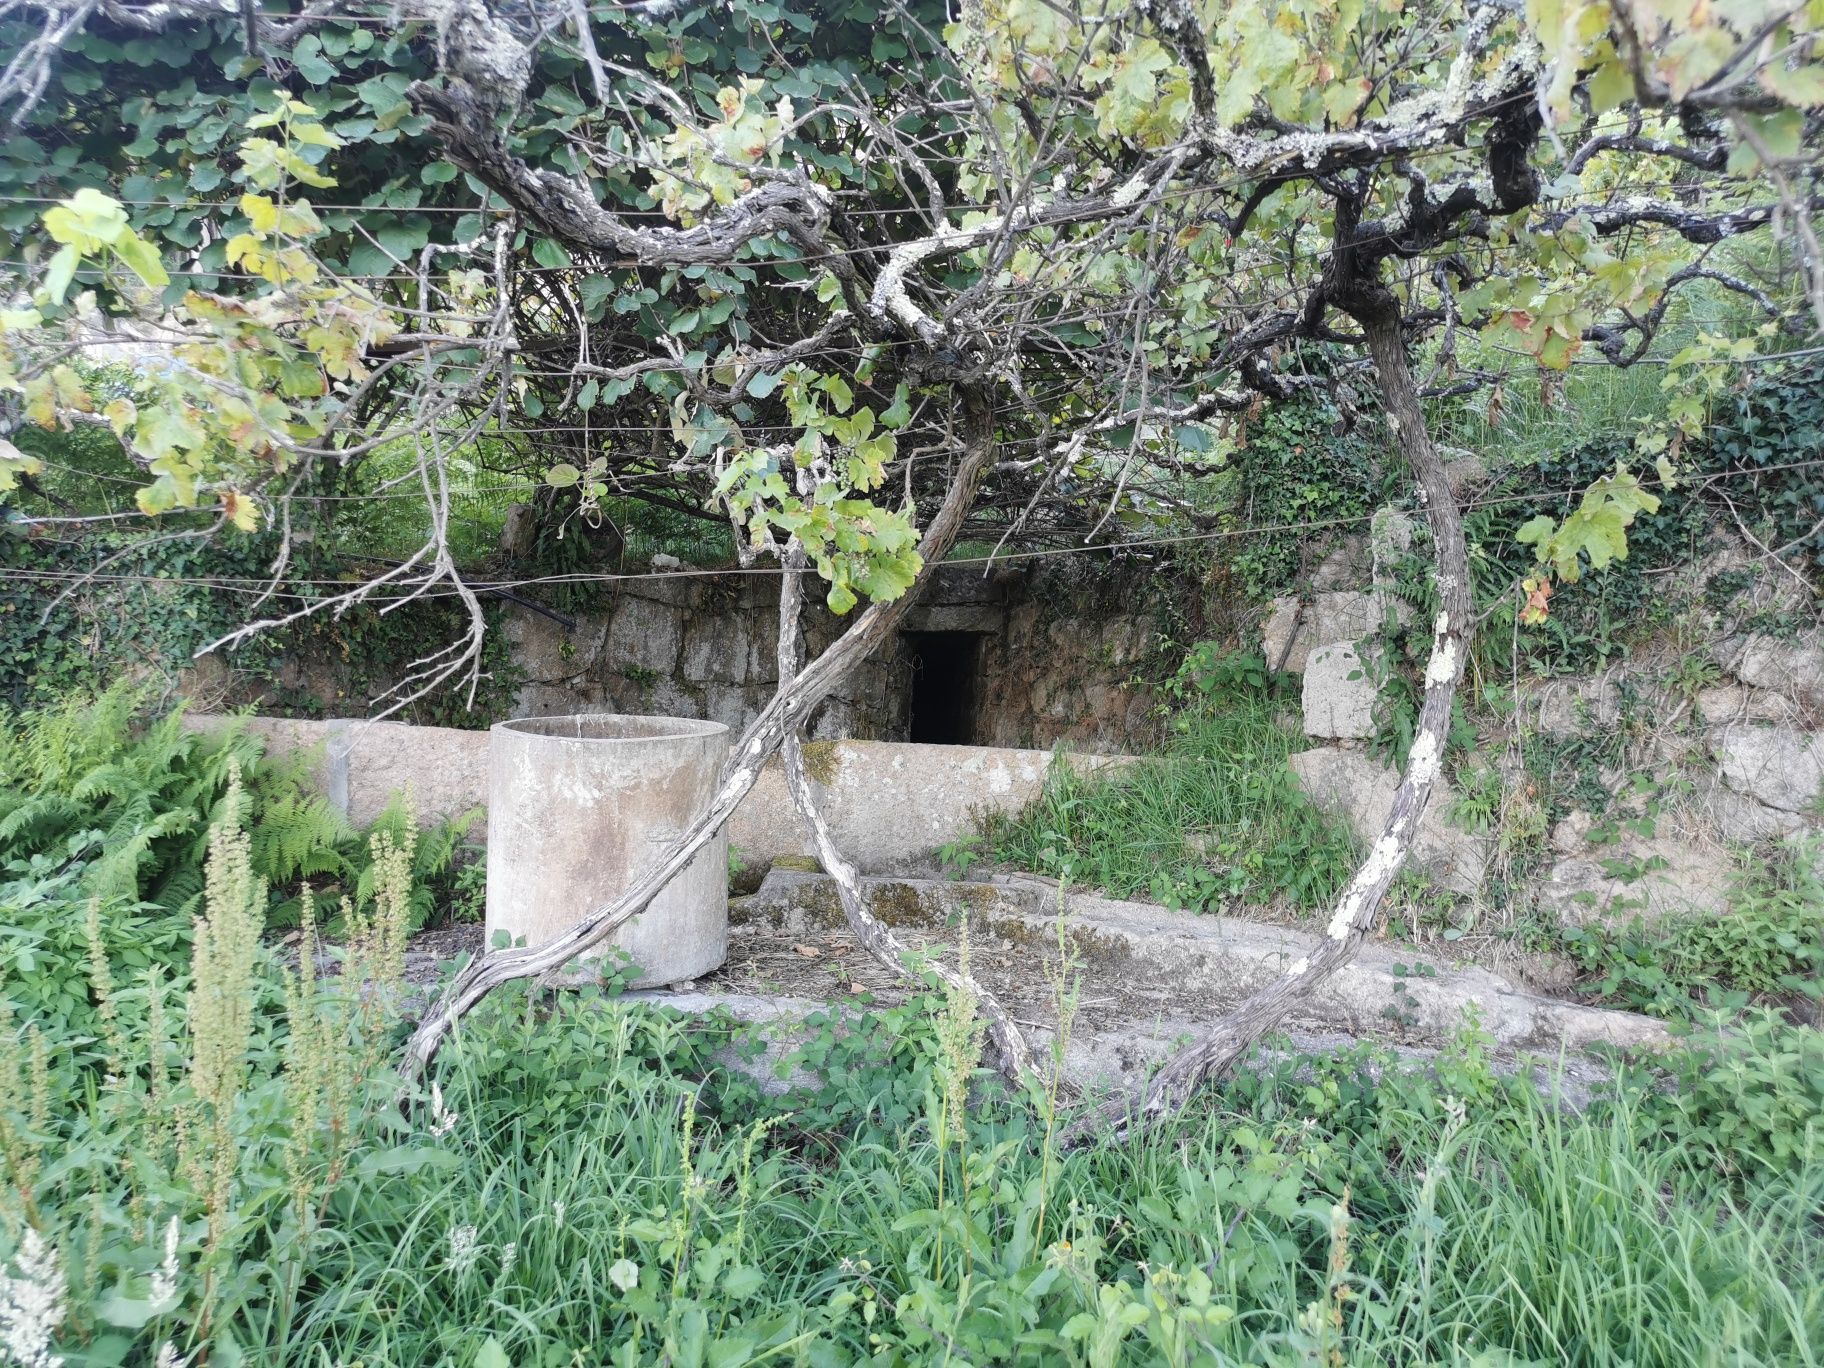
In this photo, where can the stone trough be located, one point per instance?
(1150, 978)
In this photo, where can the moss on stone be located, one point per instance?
(821, 761)
(801, 864)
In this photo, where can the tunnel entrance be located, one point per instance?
(940, 708)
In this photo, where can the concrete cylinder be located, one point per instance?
(579, 807)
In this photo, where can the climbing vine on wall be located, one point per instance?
(1302, 471)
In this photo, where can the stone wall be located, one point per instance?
(1057, 654)
(1715, 729)
(891, 805)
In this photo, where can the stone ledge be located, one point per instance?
(1165, 964)
(892, 804)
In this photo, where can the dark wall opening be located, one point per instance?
(940, 707)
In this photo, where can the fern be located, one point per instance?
(301, 836)
(433, 856)
(128, 799)
(103, 802)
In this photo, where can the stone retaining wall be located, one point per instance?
(1057, 657)
(892, 804)
(1722, 728)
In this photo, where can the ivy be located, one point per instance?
(155, 603)
(1773, 430)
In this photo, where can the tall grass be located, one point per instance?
(1216, 817)
(1313, 1215)
(213, 1172)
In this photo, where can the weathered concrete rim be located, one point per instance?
(1191, 966)
(608, 729)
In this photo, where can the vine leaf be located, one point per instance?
(1596, 531)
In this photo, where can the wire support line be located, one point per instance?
(259, 585)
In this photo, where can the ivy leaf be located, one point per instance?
(547, 252)
(403, 240)
(313, 68)
(562, 475)
(594, 291)
(899, 412)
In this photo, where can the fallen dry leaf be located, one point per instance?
(808, 951)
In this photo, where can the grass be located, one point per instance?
(591, 1182)
(1216, 817)
(1312, 1215)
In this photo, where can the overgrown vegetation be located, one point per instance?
(1297, 466)
(154, 602)
(202, 1160)
(855, 275)
(214, 1173)
(1215, 818)
(104, 835)
(1770, 946)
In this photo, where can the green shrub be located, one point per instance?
(1769, 943)
(181, 1161)
(1766, 429)
(1747, 1096)
(106, 817)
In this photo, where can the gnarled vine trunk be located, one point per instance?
(1227, 1042)
(874, 935)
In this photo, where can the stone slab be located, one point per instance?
(1649, 878)
(359, 765)
(1154, 958)
(893, 804)
(1782, 767)
(1725, 703)
(1294, 630)
(1357, 788)
(1339, 694)
(1749, 821)
(644, 637)
(1794, 667)
(1570, 705)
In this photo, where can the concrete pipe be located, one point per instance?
(580, 806)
